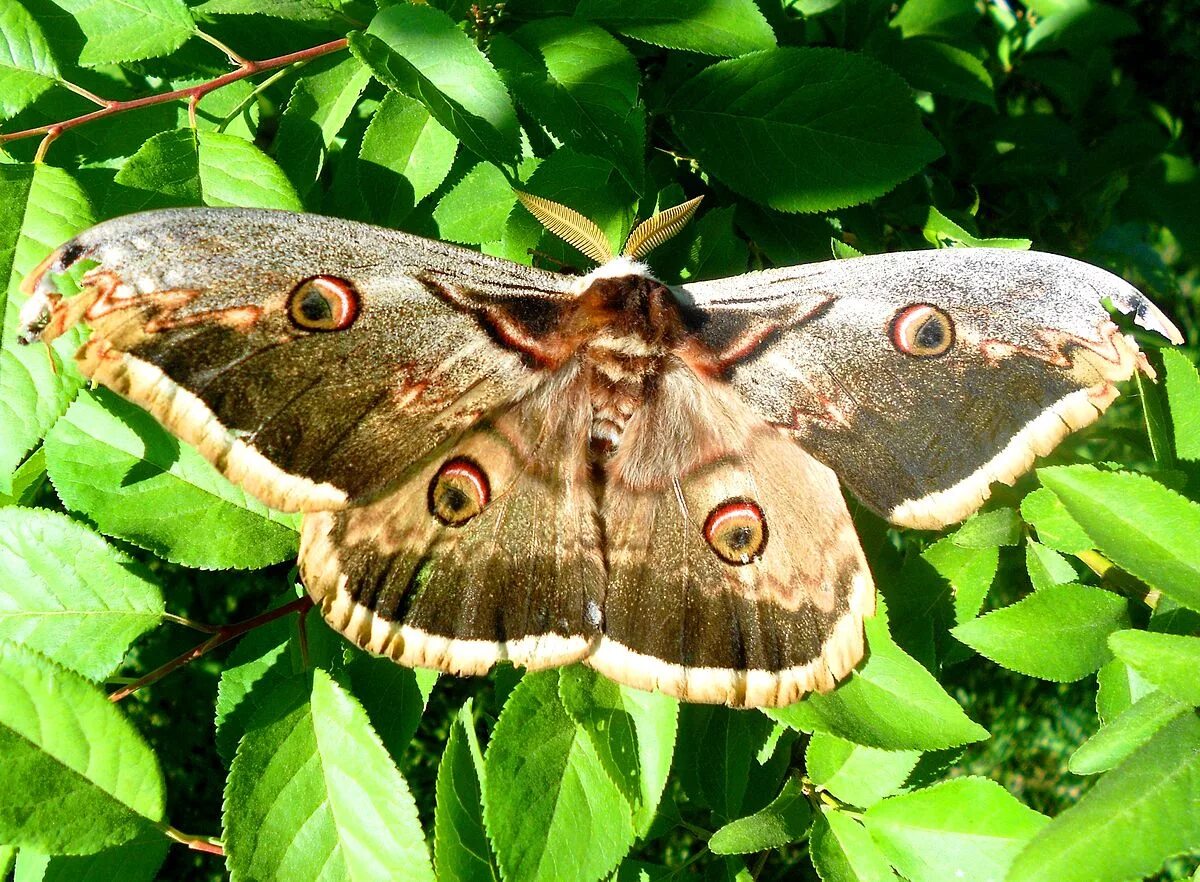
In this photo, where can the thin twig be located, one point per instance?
(192, 93)
(90, 96)
(223, 635)
(236, 59)
(207, 844)
(189, 623)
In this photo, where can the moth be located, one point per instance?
(501, 463)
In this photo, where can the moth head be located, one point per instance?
(576, 230)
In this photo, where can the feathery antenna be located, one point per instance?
(570, 226)
(651, 233)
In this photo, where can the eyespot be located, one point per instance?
(458, 492)
(922, 330)
(323, 303)
(737, 531)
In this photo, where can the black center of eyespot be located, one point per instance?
(323, 303)
(458, 492)
(736, 531)
(922, 330)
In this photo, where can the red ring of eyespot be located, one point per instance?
(460, 466)
(917, 313)
(339, 291)
(732, 508)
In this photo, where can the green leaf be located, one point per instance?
(460, 841)
(944, 233)
(715, 755)
(842, 850)
(1058, 633)
(1046, 566)
(1127, 732)
(1140, 525)
(1055, 528)
(889, 702)
(1134, 817)
(405, 156)
(322, 100)
(582, 85)
(476, 209)
(267, 659)
(76, 777)
(1118, 687)
(826, 128)
(725, 27)
(293, 10)
(312, 794)
(589, 185)
(40, 208)
(135, 861)
(27, 66)
(989, 529)
(936, 18)
(551, 809)
(964, 828)
(855, 774)
(111, 461)
(1081, 27)
(27, 480)
(1169, 661)
(420, 51)
(632, 732)
(933, 66)
(68, 594)
(129, 30)
(393, 696)
(1183, 396)
(186, 167)
(785, 820)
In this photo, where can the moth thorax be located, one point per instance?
(628, 326)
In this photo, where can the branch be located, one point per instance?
(222, 635)
(193, 94)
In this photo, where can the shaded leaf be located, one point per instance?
(551, 809)
(113, 462)
(1125, 733)
(1183, 395)
(786, 819)
(936, 18)
(293, 10)
(889, 702)
(989, 529)
(722, 27)
(322, 100)
(68, 594)
(477, 207)
(855, 774)
(633, 733)
(187, 167)
(312, 794)
(461, 846)
(1143, 527)
(1134, 817)
(1169, 661)
(842, 850)
(1055, 527)
(77, 777)
(933, 66)
(135, 861)
(40, 208)
(1046, 566)
(404, 157)
(581, 84)
(27, 66)
(826, 128)
(420, 51)
(129, 30)
(1058, 633)
(716, 752)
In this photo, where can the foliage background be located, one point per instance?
(1028, 708)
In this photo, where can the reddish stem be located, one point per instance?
(206, 844)
(223, 635)
(192, 93)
